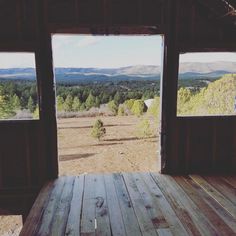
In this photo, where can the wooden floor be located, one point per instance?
(135, 204)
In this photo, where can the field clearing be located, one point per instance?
(119, 151)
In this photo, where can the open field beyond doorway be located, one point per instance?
(119, 150)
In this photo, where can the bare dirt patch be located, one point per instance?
(119, 151)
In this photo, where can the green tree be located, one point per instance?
(98, 130)
(15, 101)
(31, 105)
(138, 107)
(118, 98)
(6, 110)
(144, 129)
(129, 104)
(121, 110)
(36, 112)
(90, 101)
(97, 102)
(68, 103)
(76, 104)
(82, 107)
(113, 107)
(154, 109)
(60, 103)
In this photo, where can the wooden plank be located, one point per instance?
(34, 218)
(153, 210)
(145, 222)
(206, 209)
(130, 220)
(215, 194)
(101, 210)
(47, 218)
(231, 180)
(115, 214)
(163, 205)
(226, 217)
(223, 187)
(194, 221)
(88, 208)
(164, 232)
(73, 223)
(61, 213)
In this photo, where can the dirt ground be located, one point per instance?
(119, 151)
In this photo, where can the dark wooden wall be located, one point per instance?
(28, 149)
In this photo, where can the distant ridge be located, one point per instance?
(138, 72)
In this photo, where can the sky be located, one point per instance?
(106, 52)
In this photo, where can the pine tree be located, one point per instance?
(113, 107)
(15, 101)
(76, 104)
(98, 130)
(68, 103)
(60, 103)
(90, 101)
(31, 105)
(97, 102)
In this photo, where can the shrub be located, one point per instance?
(154, 109)
(121, 110)
(98, 130)
(113, 107)
(144, 129)
(138, 107)
(129, 103)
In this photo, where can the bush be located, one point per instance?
(121, 110)
(154, 109)
(138, 107)
(98, 130)
(144, 129)
(129, 103)
(113, 107)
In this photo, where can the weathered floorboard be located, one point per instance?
(133, 204)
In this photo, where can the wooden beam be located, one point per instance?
(169, 86)
(46, 87)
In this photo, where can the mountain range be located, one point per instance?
(139, 72)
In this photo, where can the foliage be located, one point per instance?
(90, 101)
(121, 110)
(129, 103)
(98, 130)
(216, 99)
(76, 104)
(68, 103)
(15, 101)
(144, 129)
(154, 109)
(113, 107)
(36, 113)
(138, 107)
(31, 105)
(60, 103)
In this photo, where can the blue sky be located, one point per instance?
(106, 52)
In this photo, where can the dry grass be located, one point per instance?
(119, 151)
